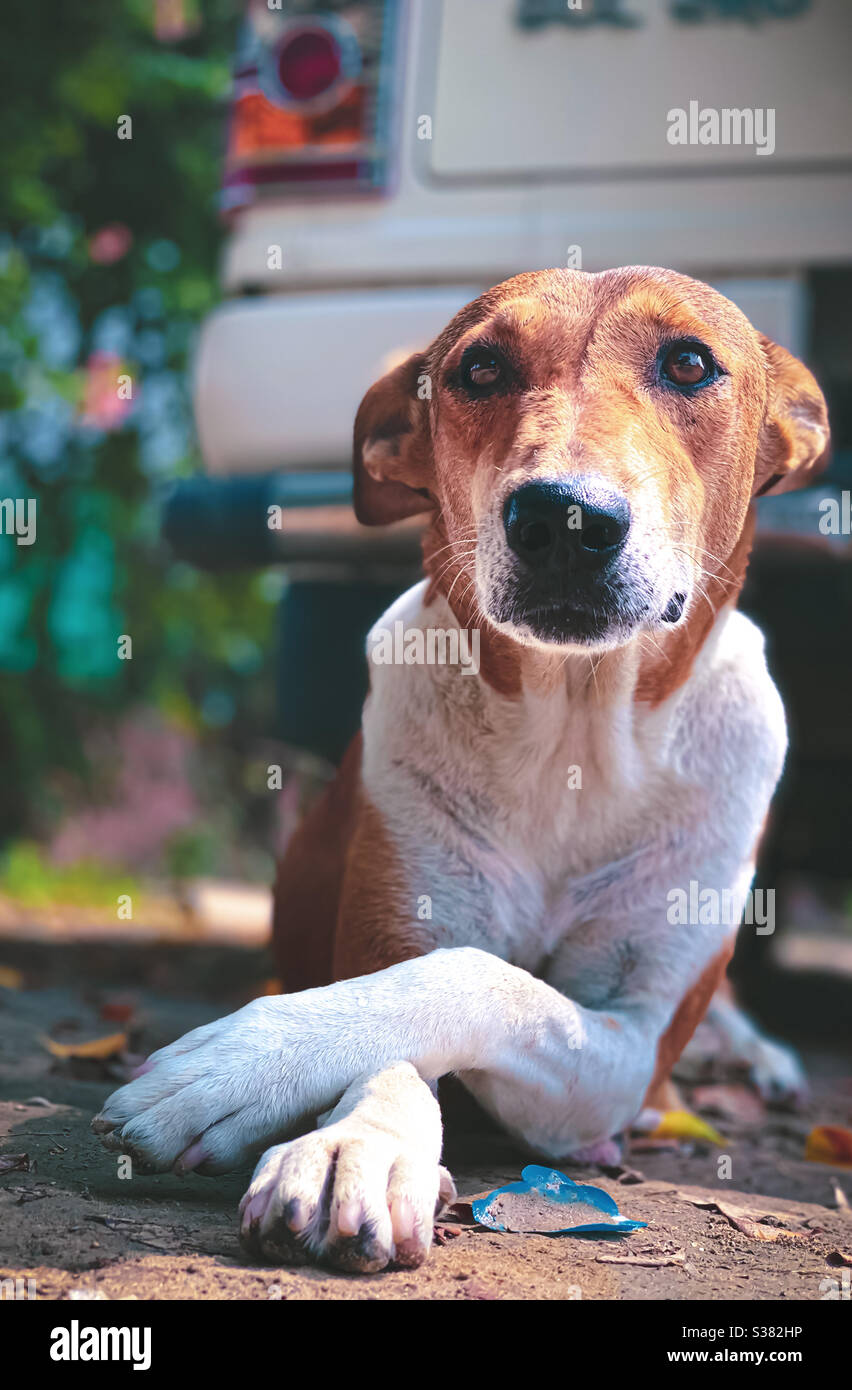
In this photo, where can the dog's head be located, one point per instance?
(589, 445)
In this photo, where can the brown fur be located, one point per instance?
(310, 879)
(660, 676)
(688, 1015)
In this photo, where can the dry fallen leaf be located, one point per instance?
(750, 1223)
(10, 978)
(682, 1124)
(830, 1144)
(14, 1163)
(97, 1047)
(755, 1230)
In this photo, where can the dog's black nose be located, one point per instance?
(578, 524)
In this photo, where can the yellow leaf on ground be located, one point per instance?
(98, 1047)
(10, 978)
(682, 1124)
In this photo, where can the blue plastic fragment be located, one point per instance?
(552, 1189)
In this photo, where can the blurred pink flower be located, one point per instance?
(103, 406)
(175, 19)
(110, 243)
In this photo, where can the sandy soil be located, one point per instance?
(71, 1224)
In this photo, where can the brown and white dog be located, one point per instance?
(486, 888)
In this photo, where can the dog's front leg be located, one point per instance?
(221, 1094)
(557, 1074)
(362, 1190)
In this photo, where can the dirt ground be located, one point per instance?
(71, 1224)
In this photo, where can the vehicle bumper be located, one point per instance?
(278, 379)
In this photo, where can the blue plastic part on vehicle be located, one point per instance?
(545, 1201)
(223, 523)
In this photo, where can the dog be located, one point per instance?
(486, 888)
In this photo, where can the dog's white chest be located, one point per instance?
(521, 822)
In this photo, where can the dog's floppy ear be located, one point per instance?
(392, 460)
(794, 438)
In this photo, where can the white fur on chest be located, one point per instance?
(534, 814)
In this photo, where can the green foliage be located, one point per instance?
(190, 853)
(28, 877)
(97, 570)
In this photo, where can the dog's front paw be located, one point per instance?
(213, 1099)
(351, 1196)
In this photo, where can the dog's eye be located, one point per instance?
(481, 371)
(688, 364)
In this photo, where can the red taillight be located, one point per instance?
(308, 64)
(314, 100)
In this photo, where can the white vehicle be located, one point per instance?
(389, 159)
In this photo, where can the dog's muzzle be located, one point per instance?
(571, 580)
